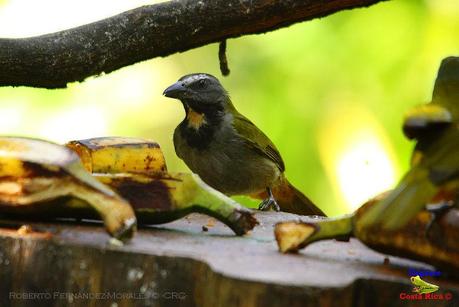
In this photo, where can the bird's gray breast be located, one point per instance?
(227, 163)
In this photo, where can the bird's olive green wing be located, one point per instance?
(256, 139)
(437, 169)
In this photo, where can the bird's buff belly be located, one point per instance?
(232, 175)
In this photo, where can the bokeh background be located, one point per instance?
(330, 93)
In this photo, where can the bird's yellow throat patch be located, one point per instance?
(195, 119)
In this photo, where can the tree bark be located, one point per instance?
(53, 60)
(202, 268)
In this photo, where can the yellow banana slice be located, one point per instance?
(34, 172)
(120, 155)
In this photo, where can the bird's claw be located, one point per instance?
(268, 204)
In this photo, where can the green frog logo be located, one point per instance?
(421, 286)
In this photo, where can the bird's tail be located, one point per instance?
(290, 199)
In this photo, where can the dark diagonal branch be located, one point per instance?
(53, 60)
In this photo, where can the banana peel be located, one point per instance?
(114, 171)
(34, 173)
(136, 170)
(120, 155)
(161, 199)
(398, 222)
(432, 241)
(421, 120)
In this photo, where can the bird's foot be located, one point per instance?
(437, 211)
(269, 203)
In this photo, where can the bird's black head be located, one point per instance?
(201, 92)
(206, 103)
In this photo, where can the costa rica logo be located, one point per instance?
(421, 286)
(423, 290)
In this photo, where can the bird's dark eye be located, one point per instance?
(202, 83)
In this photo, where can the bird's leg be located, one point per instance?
(269, 202)
(437, 211)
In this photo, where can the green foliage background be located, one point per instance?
(382, 59)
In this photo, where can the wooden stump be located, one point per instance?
(185, 264)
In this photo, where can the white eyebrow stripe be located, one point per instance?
(193, 78)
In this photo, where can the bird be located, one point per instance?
(432, 182)
(228, 151)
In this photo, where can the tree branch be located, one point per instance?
(53, 60)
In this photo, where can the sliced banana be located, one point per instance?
(34, 172)
(120, 155)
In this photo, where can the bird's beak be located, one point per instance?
(176, 90)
